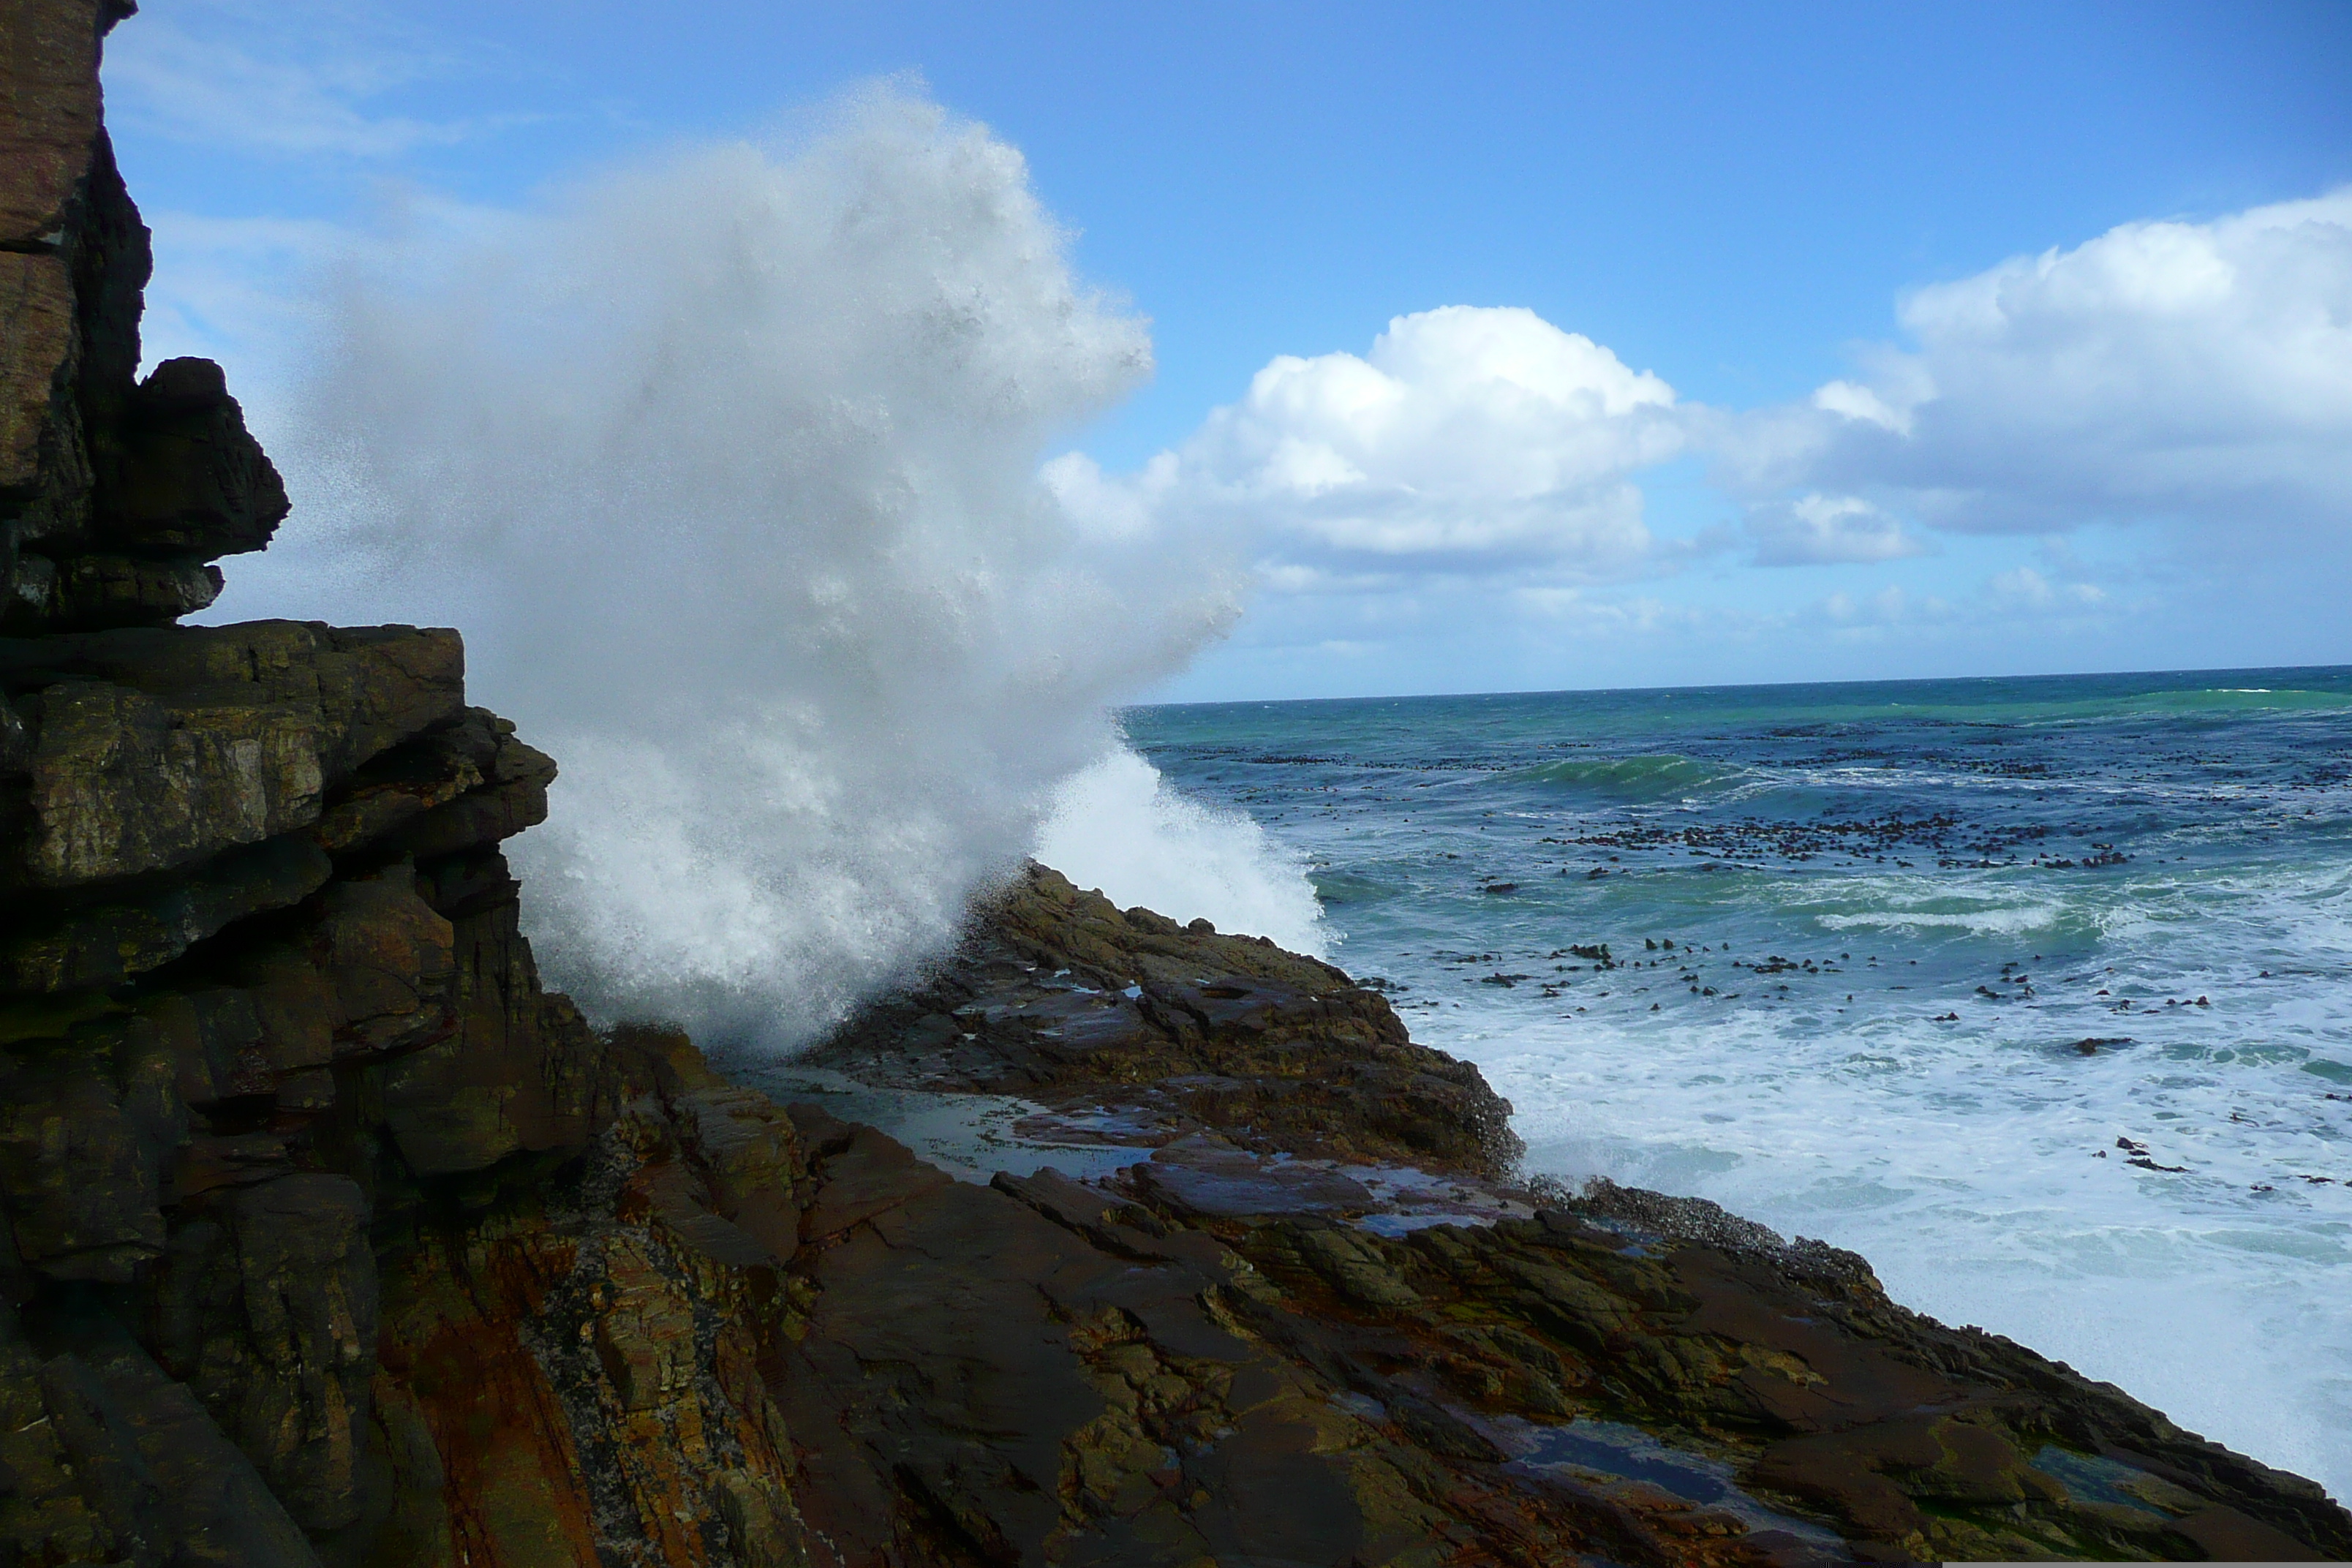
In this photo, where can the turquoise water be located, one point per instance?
(2037, 992)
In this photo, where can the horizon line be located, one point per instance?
(1739, 686)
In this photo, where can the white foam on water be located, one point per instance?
(1976, 1163)
(1120, 828)
(727, 466)
(2011, 922)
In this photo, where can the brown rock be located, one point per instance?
(91, 591)
(391, 960)
(151, 924)
(152, 1463)
(265, 1307)
(120, 784)
(157, 749)
(870, 1174)
(182, 477)
(1206, 1177)
(37, 319)
(49, 116)
(1267, 1048)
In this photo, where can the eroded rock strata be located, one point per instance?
(331, 1238)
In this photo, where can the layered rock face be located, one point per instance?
(327, 1237)
(273, 1058)
(116, 494)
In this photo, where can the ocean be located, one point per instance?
(2036, 992)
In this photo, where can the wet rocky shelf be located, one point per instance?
(328, 1236)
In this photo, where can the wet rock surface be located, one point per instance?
(329, 1237)
(1125, 1027)
(1495, 1372)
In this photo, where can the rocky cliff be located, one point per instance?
(331, 1238)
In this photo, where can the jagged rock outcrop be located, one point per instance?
(1091, 1011)
(262, 994)
(329, 1237)
(116, 494)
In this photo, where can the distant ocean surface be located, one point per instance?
(2038, 993)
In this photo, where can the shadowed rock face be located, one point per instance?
(327, 1237)
(116, 494)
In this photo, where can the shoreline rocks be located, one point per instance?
(1125, 1027)
(329, 1237)
(1754, 1399)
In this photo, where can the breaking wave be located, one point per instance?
(1123, 829)
(2008, 922)
(727, 466)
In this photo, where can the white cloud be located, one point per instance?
(1575, 610)
(1850, 401)
(1472, 481)
(239, 289)
(1817, 530)
(2023, 588)
(1466, 440)
(1889, 607)
(2198, 372)
(298, 81)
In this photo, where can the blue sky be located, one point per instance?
(2128, 455)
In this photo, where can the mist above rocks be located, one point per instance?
(727, 464)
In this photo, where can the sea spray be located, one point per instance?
(1120, 828)
(727, 464)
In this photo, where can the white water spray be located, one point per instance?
(1120, 827)
(728, 467)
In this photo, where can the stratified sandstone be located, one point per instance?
(327, 1237)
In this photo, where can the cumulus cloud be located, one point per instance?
(2174, 371)
(1465, 497)
(1817, 529)
(1466, 439)
(2198, 372)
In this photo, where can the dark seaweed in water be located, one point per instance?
(1897, 909)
